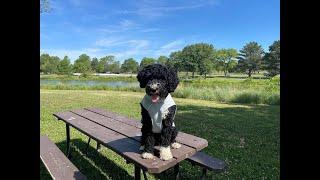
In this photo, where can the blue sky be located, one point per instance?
(141, 28)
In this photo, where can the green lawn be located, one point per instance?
(247, 137)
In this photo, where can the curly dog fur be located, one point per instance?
(159, 81)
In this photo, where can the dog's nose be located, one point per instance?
(153, 90)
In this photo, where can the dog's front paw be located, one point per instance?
(141, 148)
(175, 145)
(165, 153)
(146, 155)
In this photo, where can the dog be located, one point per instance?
(158, 110)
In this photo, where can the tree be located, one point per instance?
(114, 67)
(272, 59)
(147, 61)
(250, 58)
(175, 60)
(48, 64)
(64, 66)
(102, 65)
(44, 60)
(233, 66)
(104, 62)
(198, 57)
(129, 65)
(162, 60)
(82, 64)
(225, 57)
(94, 64)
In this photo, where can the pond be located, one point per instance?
(89, 83)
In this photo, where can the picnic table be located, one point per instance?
(123, 135)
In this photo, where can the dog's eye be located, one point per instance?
(158, 84)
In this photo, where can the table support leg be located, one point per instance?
(137, 170)
(144, 175)
(68, 141)
(88, 145)
(176, 171)
(204, 172)
(98, 146)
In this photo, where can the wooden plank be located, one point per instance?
(130, 131)
(208, 162)
(191, 140)
(118, 117)
(112, 124)
(124, 146)
(183, 138)
(58, 165)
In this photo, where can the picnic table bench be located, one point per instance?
(123, 135)
(57, 164)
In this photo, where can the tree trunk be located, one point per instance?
(249, 73)
(192, 74)
(205, 75)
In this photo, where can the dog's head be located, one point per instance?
(158, 80)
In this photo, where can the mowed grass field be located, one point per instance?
(247, 137)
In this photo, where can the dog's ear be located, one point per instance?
(172, 79)
(143, 76)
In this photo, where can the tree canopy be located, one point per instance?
(82, 64)
(147, 61)
(130, 65)
(226, 58)
(197, 57)
(272, 59)
(64, 66)
(250, 58)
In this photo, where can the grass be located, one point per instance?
(245, 136)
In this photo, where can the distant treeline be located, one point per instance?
(199, 58)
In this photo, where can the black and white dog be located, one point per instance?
(158, 110)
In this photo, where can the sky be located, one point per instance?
(150, 28)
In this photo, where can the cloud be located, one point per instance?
(173, 44)
(44, 36)
(150, 30)
(107, 42)
(113, 42)
(126, 23)
(160, 8)
(123, 25)
(170, 47)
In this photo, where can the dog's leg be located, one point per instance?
(165, 152)
(149, 147)
(173, 142)
(147, 139)
(166, 134)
